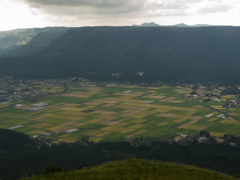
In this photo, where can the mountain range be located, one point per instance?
(152, 24)
(173, 54)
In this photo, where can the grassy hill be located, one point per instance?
(137, 169)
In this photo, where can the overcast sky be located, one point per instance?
(40, 13)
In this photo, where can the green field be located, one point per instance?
(107, 113)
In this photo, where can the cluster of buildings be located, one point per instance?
(18, 89)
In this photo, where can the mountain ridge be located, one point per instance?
(164, 53)
(152, 24)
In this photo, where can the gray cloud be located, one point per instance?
(217, 8)
(84, 3)
(113, 6)
(103, 12)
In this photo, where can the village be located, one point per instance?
(13, 90)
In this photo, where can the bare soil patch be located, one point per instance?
(196, 118)
(168, 115)
(156, 97)
(129, 136)
(65, 129)
(183, 126)
(39, 120)
(110, 123)
(70, 123)
(103, 112)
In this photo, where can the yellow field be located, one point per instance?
(102, 117)
(134, 116)
(180, 120)
(213, 119)
(230, 121)
(14, 115)
(137, 126)
(178, 137)
(103, 134)
(35, 132)
(65, 135)
(47, 115)
(163, 123)
(95, 121)
(95, 139)
(218, 107)
(216, 134)
(117, 129)
(200, 107)
(183, 116)
(83, 124)
(57, 128)
(138, 121)
(120, 124)
(41, 125)
(140, 132)
(234, 114)
(76, 109)
(129, 136)
(62, 116)
(95, 133)
(21, 123)
(195, 127)
(227, 97)
(74, 118)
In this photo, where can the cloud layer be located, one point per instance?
(126, 12)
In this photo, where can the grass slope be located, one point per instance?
(138, 169)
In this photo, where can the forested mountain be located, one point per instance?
(163, 53)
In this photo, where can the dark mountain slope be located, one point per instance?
(164, 53)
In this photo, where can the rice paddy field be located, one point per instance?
(121, 112)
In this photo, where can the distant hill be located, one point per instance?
(10, 40)
(202, 25)
(38, 42)
(137, 169)
(10, 32)
(181, 25)
(164, 53)
(152, 24)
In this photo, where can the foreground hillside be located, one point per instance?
(118, 53)
(137, 169)
(20, 156)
